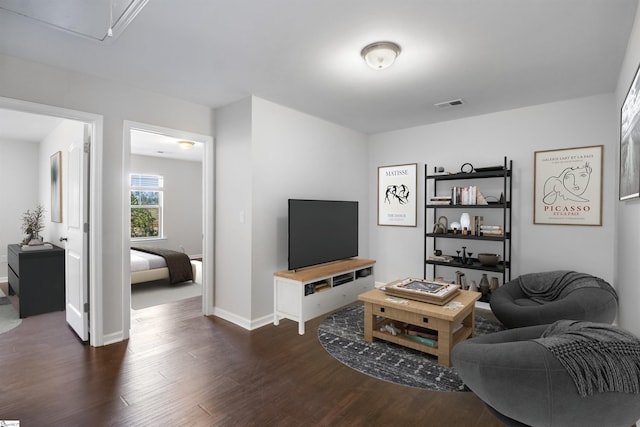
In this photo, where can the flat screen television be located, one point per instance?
(321, 231)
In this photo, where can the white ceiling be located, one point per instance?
(17, 126)
(156, 145)
(305, 54)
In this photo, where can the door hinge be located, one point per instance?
(87, 147)
(86, 227)
(86, 307)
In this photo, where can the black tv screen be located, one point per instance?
(321, 231)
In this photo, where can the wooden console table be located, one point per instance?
(379, 305)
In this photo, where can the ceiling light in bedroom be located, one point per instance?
(186, 145)
(380, 55)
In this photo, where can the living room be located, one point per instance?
(267, 152)
(260, 145)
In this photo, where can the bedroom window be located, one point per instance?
(146, 206)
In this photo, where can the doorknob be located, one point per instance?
(63, 239)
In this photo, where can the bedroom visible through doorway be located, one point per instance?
(165, 179)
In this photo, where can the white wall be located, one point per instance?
(296, 155)
(627, 233)
(484, 141)
(182, 203)
(266, 154)
(233, 211)
(19, 175)
(34, 82)
(66, 133)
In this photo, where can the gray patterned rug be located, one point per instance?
(342, 335)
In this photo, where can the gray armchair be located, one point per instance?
(554, 296)
(524, 384)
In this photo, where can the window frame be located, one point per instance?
(159, 188)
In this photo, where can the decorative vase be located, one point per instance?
(495, 284)
(473, 287)
(485, 288)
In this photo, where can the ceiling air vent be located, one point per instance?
(449, 104)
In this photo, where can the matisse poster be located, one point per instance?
(568, 186)
(397, 195)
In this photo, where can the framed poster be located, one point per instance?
(630, 142)
(56, 187)
(567, 187)
(397, 195)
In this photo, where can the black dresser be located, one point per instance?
(37, 278)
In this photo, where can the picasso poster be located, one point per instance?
(568, 186)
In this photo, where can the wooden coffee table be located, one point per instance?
(381, 309)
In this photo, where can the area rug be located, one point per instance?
(149, 294)
(342, 335)
(9, 318)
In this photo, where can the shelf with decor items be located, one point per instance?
(466, 214)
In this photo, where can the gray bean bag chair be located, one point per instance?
(524, 384)
(543, 298)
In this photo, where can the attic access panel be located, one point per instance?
(85, 18)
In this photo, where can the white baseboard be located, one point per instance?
(243, 322)
(112, 338)
(4, 279)
(233, 318)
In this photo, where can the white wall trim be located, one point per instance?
(243, 322)
(114, 337)
(207, 215)
(262, 321)
(95, 203)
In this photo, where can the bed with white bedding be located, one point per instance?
(147, 266)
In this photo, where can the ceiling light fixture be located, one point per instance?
(380, 55)
(186, 145)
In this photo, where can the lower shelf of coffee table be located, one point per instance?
(461, 334)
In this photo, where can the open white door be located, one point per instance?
(77, 289)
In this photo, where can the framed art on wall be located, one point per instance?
(397, 195)
(567, 186)
(56, 187)
(630, 142)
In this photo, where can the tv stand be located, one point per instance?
(304, 294)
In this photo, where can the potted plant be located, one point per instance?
(33, 224)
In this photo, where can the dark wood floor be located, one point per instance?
(180, 368)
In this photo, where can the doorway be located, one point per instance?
(175, 239)
(93, 262)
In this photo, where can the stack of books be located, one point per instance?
(441, 258)
(440, 200)
(492, 231)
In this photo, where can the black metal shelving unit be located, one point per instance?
(431, 239)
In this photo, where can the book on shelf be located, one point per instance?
(441, 258)
(421, 340)
(421, 332)
(469, 195)
(440, 200)
(492, 230)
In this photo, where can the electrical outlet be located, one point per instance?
(3, 258)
